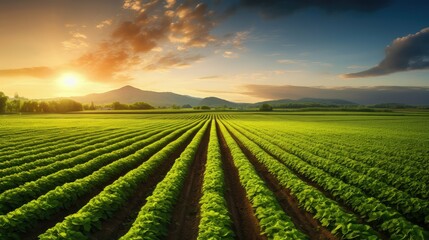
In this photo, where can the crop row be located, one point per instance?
(32, 152)
(27, 140)
(90, 145)
(327, 211)
(416, 209)
(78, 225)
(154, 217)
(406, 177)
(22, 218)
(365, 149)
(362, 141)
(386, 218)
(52, 150)
(15, 197)
(215, 222)
(265, 206)
(115, 146)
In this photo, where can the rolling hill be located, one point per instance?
(129, 94)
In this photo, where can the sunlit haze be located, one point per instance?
(240, 50)
(69, 80)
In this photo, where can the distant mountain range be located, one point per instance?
(129, 94)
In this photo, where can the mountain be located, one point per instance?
(129, 94)
(319, 101)
(409, 95)
(217, 102)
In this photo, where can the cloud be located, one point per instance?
(230, 54)
(356, 67)
(361, 95)
(209, 77)
(404, 54)
(106, 63)
(37, 72)
(303, 62)
(236, 40)
(157, 25)
(289, 61)
(277, 8)
(191, 25)
(132, 4)
(104, 23)
(78, 40)
(172, 60)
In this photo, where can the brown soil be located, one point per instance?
(186, 214)
(342, 204)
(42, 225)
(302, 219)
(121, 221)
(245, 224)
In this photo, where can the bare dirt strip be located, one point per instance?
(42, 226)
(245, 224)
(344, 206)
(302, 219)
(121, 221)
(186, 214)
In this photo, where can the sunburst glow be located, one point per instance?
(70, 80)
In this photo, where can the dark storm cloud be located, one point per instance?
(361, 95)
(276, 8)
(404, 54)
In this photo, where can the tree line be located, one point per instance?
(18, 104)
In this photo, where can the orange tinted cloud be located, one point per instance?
(172, 60)
(106, 63)
(157, 25)
(37, 72)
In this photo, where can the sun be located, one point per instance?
(69, 80)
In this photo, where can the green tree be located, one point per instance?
(266, 107)
(3, 102)
(141, 106)
(30, 106)
(119, 106)
(44, 107)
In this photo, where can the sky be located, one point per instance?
(240, 50)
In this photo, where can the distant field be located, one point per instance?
(208, 175)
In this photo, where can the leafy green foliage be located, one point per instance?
(274, 223)
(215, 222)
(63, 196)
(152, 220)
(371, 208)
(115, 195)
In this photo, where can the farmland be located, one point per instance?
(208, 175)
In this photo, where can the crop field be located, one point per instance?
(215, 175)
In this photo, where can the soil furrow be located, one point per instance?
(245, 224)
(186, 214)
(44, 224)
(121, 221)
(303, 220)
(342, 204)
